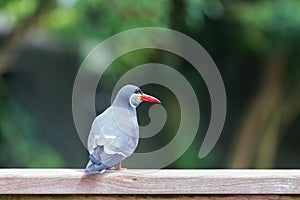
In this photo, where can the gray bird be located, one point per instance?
(114, 134)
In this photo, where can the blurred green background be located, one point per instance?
(255, 44)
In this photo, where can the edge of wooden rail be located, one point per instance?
(138, 181)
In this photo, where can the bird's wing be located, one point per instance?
(109, 160)
(106, 160)
(101, 134)
(97, 133)
(105, 132)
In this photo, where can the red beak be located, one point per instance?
(146, 97)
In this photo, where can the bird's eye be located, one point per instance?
(138, 91)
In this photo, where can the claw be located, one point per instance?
(118, 167)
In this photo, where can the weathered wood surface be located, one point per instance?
(141, 182)
(148, 197)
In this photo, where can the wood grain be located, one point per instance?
(148, 197)
(134, 181)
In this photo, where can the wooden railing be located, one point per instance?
(195, 184)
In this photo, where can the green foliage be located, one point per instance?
(97, 20)
(234, 33)
(268, 25)
(19, 144)
(17, 10)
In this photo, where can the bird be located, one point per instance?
(114, 134)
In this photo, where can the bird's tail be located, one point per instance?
(94, 165)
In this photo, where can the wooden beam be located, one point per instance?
(147, 197)
(138, 182)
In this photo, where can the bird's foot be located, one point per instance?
(118, 167)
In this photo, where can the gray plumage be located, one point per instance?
(114, 134)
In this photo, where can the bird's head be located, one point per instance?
(133, 95)
(138, 96)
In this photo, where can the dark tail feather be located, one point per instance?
(94, 165)
(94, 160)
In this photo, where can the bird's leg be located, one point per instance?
(118, 167)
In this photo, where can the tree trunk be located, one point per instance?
(258, 136)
